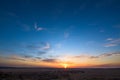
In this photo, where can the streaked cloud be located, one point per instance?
(37, 28)
(38, 58)
(15, 57)
(106, 55)
(23, 58)
(46, 47)
(66, 34)
(59, 45)
(102, 31)
(117, 26)
(108, 65)
(112, 42)
(109, 39)
(71, 60)
(24, 26)
(12, 14)
(111, 45)
(110, 54)
(27, 56)
(49, 60)
(68, 31)
(39, 46)
(98, 56)
(41, 52)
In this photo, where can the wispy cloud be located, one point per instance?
(27, 56)
(111, 45)
(106, 55)
(38, 58)
(117, 26)
(15, 57)
(66, 34)
(24, 26)
(18, 22)
(12, 14)
(59, 45)
(46, 47)
(109, 39)
(98, 56)
(102, 31)
(40, 46)
(112, 42)
(37, 28)
(50, 60)
(23, 58)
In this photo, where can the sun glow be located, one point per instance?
(65, 66)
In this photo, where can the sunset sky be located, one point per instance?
(55, 33)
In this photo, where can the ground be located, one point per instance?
(60, 74)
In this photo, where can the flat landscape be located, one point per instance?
(60, 74)
(59, 39)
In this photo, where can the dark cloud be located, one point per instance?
(31, 57)
(106, 55)
(43, 46)
(49, 60)
(41, 53)
(32, 46)
(38, 57)
(27, 56)
(110, 54)
(108, 65)
(98, 56)
(15, 58)
(94, 57)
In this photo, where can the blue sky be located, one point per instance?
(52, 29)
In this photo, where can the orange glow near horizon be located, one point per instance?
(65, 66)
(83, 62)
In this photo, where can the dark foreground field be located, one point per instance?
(59, 74)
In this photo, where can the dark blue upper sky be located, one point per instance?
(59, 27)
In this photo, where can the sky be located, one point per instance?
(56, 33)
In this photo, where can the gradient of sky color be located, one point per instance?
(51, 33)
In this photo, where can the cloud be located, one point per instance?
(32, 46)
(59, 45)
(50, 60)
(66, 35)
(15, 57)
(98, 56)
(27, 56)
(43, 46)
(104, 3)
(110, 45)
(12, 14)
(102, 31)
(110, 54)
(38, 28)
(82, 56)
(108, 65)
(109, 39)
(112, 42)
(68, 31)
(38, 58)
(24, 26)
(117, 26)
(46, 46)
(41, 52)
(92, 57)
(106, 55)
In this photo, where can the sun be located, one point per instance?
(65, 66)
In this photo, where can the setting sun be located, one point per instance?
(65, 66)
